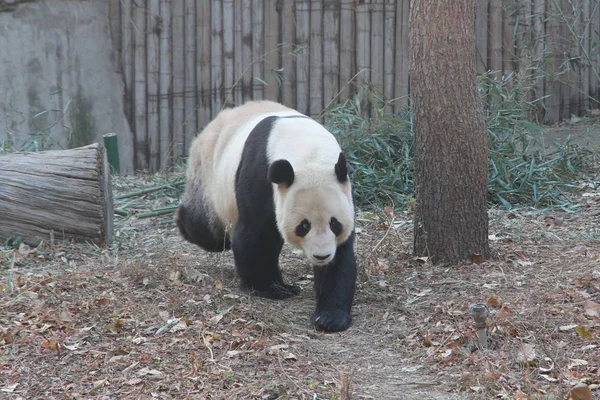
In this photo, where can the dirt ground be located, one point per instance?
(154, 317)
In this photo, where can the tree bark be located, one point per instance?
(451, 154)
(62, 194)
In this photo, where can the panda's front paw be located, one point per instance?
(331, 320)
(276, 291)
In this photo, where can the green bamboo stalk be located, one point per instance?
(158, 211)
(112, 152)
(120, 211)
(150, 190)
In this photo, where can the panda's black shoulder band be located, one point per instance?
(295, 116)
(341, 169)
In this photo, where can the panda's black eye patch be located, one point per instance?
(335, 226)
(303, 228)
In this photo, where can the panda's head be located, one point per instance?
(313, 207)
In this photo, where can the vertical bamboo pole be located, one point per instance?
(247, 49)
(164, 84)
(510, 19)
(565, 42)
(331, 51)
(584, 73)
(377, 53)
(303, 54)
(288, 60)
(154, 26)
(539, 40)
(594, 51)
(190, 127)
(347, 50)
(363, 48)
(128, 51)
(315, 105)
(177, 80)
(402, 84)
(141, 143)
(553, 85)
(238, 52)
(216, 56)
(481, 34)
(573, 10)
(523, 44)
(258, 49)
(495, 38)
(228, 61)
(388, 59)
(203, 58)
(272, 50)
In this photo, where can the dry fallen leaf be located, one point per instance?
(99, 384)
(527, 355)
(591, 308)
(427, 341)
(289, 356)
(504, 312)
(174, 275)
(148, 371)
(580, 392)
(491, 376)
(277, 347)
(584, 333)
(64, 316)
(7, 337)
(51, 344)
(574, 362)
(519, 395)
(9, 388)
(567, 327)
(549, 378)
(549, 369)
(493, 302)
(477, 258)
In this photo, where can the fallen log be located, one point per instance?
(56, 195)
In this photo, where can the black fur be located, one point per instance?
(335, 284)
(341, 168)
(256, 239)
(281, 171)
(196, 229)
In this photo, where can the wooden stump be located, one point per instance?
(60, 194)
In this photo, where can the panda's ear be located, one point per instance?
(341, 169)
(281, 173)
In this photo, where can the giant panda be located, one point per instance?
(260, 174)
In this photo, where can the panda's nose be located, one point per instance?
(321, 257)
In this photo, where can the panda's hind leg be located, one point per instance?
(196, 227)
(256, 255)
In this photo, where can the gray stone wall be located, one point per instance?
(59, 83)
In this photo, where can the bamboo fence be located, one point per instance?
(184, 60)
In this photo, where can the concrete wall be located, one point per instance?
(58, 75)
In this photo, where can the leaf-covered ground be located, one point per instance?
(154, 317)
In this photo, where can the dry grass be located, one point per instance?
(154, 317)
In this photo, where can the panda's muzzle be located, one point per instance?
(321, 260)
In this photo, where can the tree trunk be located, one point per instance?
(62, 194)
(451, 154)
